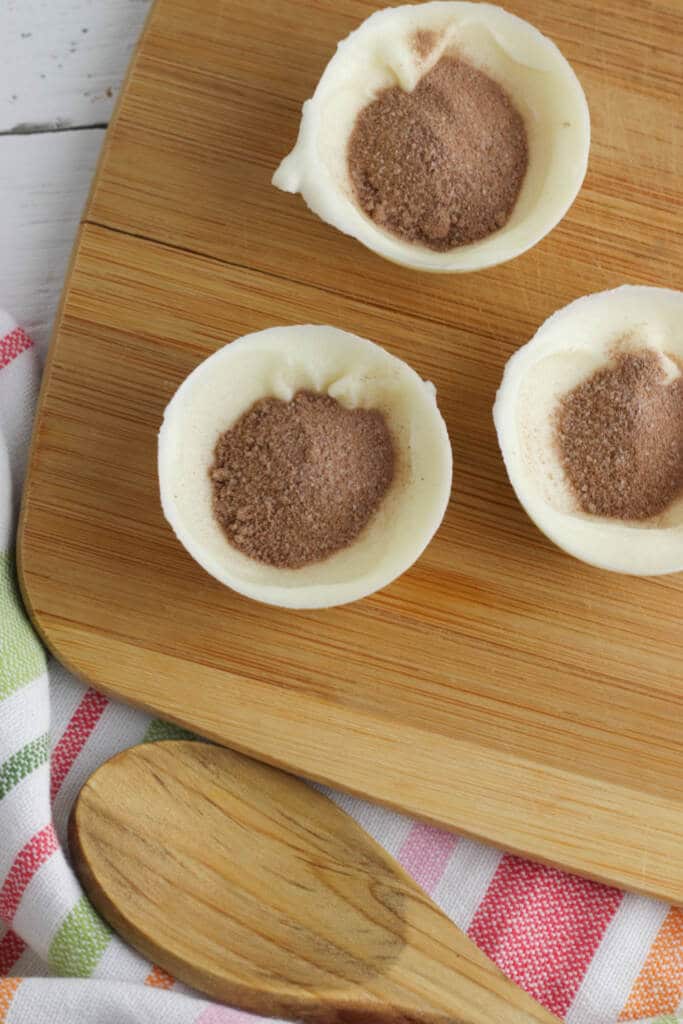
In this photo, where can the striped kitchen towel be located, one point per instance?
(589, 953)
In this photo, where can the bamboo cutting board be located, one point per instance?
(499, 688)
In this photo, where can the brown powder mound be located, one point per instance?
(442, 165)
(293, 482)
(620, 435)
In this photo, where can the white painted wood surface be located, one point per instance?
(44, 182)
(61, 66)
(63, 60)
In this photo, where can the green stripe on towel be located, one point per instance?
(161, 730)
(21, 764)
(21, 655)
(78, 946)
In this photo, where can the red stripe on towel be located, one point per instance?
(542, 928)
(36, 851)
(76, 734)
(11, 948)
(12, 345)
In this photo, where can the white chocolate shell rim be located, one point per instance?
(527, 64)
(568, 348)
(279, 362)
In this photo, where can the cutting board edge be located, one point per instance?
(528, 849)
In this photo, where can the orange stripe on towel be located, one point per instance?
(659, 986)
(159, 978)
(8, 988)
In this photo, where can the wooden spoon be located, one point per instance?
(250, 886)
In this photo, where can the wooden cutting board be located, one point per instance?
(499, 688)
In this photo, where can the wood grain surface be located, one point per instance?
(251, 887)
(498, 688)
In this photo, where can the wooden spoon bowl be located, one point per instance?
(252, 887)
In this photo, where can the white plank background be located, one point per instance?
(61, 66)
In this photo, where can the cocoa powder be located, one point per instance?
(424, 42)
(293, 482)
(442, 165)
(620, 436)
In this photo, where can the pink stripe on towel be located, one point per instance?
(425, 854)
